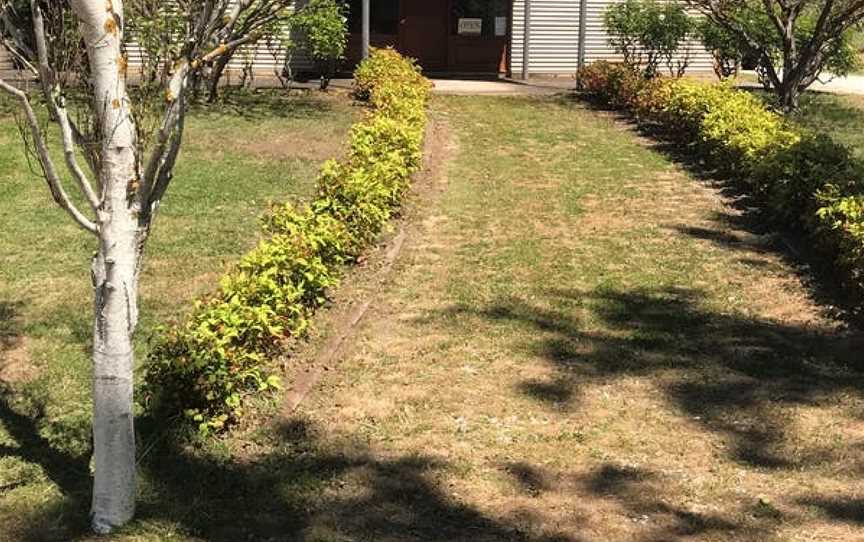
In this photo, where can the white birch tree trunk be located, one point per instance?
(122, 233)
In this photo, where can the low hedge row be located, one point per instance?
(801, 178)
(207, 366)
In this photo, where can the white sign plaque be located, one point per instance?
(470, 27)
(500, 26)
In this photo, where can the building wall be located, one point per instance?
(5, 61)
(266, 58)
(554, 47)
(554, 38)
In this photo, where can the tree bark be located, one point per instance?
(122, 230)
(789, 96)
(115, 282)
(216, 76)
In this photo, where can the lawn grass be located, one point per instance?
(580, 342)
(238, 156)
(839, 116)
(587, 343)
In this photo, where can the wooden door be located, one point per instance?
(423, 32)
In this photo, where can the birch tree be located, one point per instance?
(121, 180)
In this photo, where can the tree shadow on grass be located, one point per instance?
(9, 328)
(637, 494)
(20, 419)
(268, 104)
(845, 509)
(307, 488)
(314, 489)
(733, 374)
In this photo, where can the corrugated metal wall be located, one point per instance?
(554, 36)
(266, 57)
(5, 61)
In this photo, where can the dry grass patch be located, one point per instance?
(629, 362)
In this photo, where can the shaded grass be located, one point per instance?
(841, 117)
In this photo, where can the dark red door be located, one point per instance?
(423, 32)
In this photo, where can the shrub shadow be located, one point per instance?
(745, 214)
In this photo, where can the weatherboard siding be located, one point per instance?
(554, 38)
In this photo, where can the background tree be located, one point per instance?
(16, 30)
(723, 46)
(793, 41)
(247, 22)
(625, 22)
(120, 184)
(323, 27)
(647, 33)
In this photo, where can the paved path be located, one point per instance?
(852, 84)
(500, 87)
(480, 87)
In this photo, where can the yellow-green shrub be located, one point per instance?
(392, 83)
(207, 366)
(842, 220)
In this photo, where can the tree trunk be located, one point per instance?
(216, 76)
(115, 283)
(789, 92)
(122, 230)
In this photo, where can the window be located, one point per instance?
(492, 16)
(384, 18)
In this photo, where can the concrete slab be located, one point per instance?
(851, 84)
(501, 87)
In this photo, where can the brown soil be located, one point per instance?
(336, 328)
(317, 147)
(16, 366)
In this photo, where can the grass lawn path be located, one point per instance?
(583, 342)
(580, 342)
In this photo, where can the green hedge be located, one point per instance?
(803, 179)
(207, 366)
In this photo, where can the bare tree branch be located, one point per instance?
(53, 96)
(166, 166)
(48, 169)
(172, 120)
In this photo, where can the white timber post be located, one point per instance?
(526, 45)
(367, 22)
